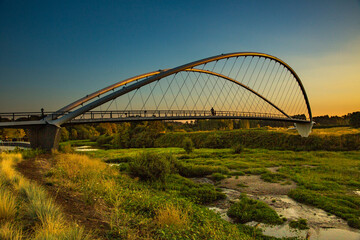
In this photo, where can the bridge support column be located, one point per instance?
(45, 137)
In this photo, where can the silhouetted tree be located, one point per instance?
(355, 119)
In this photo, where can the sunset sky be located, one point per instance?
(54, 52)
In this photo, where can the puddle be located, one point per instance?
(85, 149)
(322, 226)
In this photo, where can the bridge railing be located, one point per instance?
(170, 114)
(27, 116)
(138, 114)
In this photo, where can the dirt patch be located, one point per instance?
(71, 202)
(256, 186)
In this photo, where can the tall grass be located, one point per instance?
(26, 211)
(7, 205)
(9, 231)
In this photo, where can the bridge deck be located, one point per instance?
(33, 118)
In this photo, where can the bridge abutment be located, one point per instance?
(45, 137)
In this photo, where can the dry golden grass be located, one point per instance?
(10, 232)
(33, 206)
(170, 215)
(79, 166)
(7, 205)
(7, 162)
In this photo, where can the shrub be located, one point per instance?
(273, 177)
(150, 166)
(190, 170)
(104, 139)
(354, 222)
(299, 224)
(214, 141)
(237, 173)
(238, 148)
(247, 210)
(217, 176)
(203, 194)
(65, 148)
(188, 145)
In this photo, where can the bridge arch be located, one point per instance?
(88, 103)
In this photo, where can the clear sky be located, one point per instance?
(54, 52)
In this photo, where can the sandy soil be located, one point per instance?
(254, 185)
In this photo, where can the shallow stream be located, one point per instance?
(322, 225)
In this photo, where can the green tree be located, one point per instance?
(64, 134)
(74, 134)
(355, 119)
(188, 145)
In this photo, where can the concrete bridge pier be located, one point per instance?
(45, 137)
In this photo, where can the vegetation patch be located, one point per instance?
(150, 166)
(188, 145)
(300, 224)
(247, 210)
(273, 177)
(341, 206)
(217, 177)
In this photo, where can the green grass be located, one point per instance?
(247, 210)
(330, 176)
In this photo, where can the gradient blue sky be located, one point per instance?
(54, 52)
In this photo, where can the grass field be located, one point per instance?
(146, 193)
(327, 180)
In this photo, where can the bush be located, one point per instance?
(150, 166)
(247, 210)
(104, 140)
(299, 224)
(217, 176)
(214, 141)
(65, 148)
(188, 145)
(190, 170)
(354, 222)
(203, 194)
(238, 148)
(273, 177)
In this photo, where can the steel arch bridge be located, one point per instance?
(242, 85)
